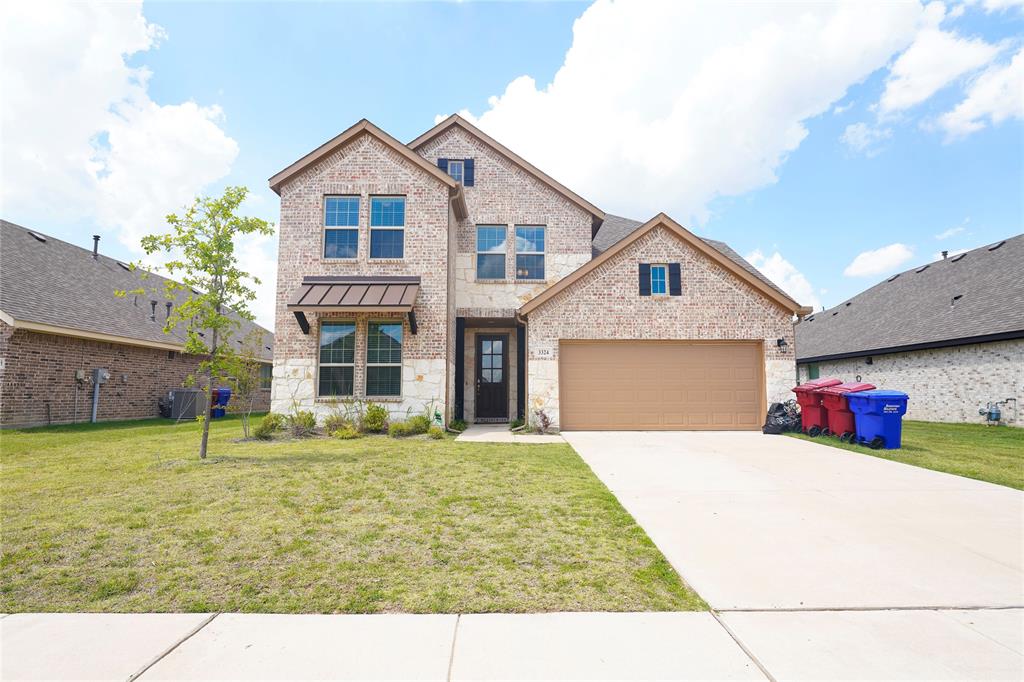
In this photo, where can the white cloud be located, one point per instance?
(783, 273)
(82, 137)
(953, 231)
(666, 105)
(999, 5)
(879, 261)
(842, 108)
(995, 96)
(865, 139)
(936, 59)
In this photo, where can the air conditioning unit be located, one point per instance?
(183, 403)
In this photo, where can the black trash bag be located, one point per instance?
(782, 417)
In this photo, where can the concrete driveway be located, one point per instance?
(770, 522)
(828, 564)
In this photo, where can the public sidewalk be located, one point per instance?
(930, 644)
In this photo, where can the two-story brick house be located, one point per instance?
(450, 273)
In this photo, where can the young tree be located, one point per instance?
(244, 376)
(217, 292)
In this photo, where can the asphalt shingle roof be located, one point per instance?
(56, 283)
(615, 228)
(979, 293)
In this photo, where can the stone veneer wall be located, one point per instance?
(469, 402)
(364, 167)
(504, 194)
(37, 378)
(944, 384)
(715, 304)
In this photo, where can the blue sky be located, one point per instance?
(802, 158)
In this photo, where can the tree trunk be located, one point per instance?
(209, 397)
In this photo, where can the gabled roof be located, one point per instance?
(456, 120)
(51, 286)
(615, 228)
(363, 127)
(967, 298)
(661, 220)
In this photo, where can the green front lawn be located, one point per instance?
(124, 517)
(987, 453)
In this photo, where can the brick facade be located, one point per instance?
(606, 304)
(504, 194)
(944, 384)
(38, 385)
(365, 167)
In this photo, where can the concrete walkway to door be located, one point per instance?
(811, 554)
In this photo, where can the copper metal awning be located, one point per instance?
(354, 294)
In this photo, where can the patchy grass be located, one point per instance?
(987, 453)
(124, 517)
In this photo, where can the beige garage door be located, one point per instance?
(660, 385)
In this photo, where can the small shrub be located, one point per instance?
(347, 432)
(515, 424)
(265, 429)
(375, 419)
(457, 425)
(302, 424)
(273, 421)
(419, 424)
(335, 422)
(435, 432)
(400, 429)
(543, 421)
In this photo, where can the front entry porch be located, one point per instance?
(490, 369)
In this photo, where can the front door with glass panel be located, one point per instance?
(492, 377)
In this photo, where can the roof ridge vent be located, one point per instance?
(35, 235)
(996, 246)
(957, 257)
(893, 277)
(922, 268)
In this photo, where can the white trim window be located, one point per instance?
(490, 251)
(336, 374)
(659, 280)
(456, 169)
(530, 252)
(384, 359)
(341, 227)
(387, 227)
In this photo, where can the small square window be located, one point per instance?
(456, 169)
(659, 280)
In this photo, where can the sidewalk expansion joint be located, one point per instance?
(451, 654)
(743, 647)
(171, 648)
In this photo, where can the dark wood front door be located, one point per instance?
(491, 377)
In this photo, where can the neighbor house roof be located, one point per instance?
(968, 298)
(616, 228)
(456, 120)
(51, 286)
(661, 220)
(365, 127)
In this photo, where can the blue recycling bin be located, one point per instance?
(223, 396)
(878, 415)
(218, 405)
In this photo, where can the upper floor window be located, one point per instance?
(341, 227)
(490, 252)
(455, 169)
(659, 280)
(337, 358)
(387, 227)
(384, 359)
(529, 252)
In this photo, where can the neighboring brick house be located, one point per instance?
(949, 333)
(60, 320)
(450, 274)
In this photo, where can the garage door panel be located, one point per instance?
(660, 385)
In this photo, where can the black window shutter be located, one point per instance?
(443, 164)
(467, 172)
(675, 284)
(645, 279)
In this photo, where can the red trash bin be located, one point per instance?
(812, 415)
(839, 417)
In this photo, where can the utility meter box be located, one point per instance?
(100, 376)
